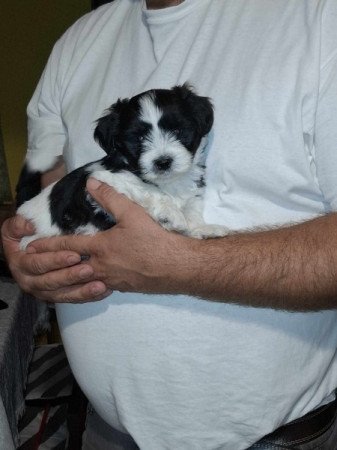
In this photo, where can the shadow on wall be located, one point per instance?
(28, 31)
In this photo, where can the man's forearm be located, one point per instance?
(289, 268)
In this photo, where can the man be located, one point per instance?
(177, 371)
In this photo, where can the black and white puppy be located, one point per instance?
(155, 145)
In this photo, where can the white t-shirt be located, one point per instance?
(172, 371)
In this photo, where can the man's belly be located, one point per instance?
(176, 372)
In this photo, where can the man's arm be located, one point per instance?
(290, 268)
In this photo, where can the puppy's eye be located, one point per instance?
(179, 132)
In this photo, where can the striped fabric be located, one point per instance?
(44, 428)
(50, 376)
(48, 395)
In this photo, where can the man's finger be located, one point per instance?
(12, 231)
(75, 243)
(82, 293)
(61, 278)
(40, 263)
(17, 227)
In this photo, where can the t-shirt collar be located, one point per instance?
(169, 14)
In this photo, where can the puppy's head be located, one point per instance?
(157, 132)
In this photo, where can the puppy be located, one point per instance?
(154, 144)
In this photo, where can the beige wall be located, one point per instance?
(28, 29)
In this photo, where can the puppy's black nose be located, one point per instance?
(163, 163)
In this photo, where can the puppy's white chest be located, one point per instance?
(178, 209)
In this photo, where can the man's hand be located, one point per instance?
(136, 255)
(51, 276)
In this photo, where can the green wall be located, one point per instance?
(28, 30)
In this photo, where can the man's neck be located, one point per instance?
(159, 4)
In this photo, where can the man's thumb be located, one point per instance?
(110, 200)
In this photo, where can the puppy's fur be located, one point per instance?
(154, 144)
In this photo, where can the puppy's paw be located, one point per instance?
(168, 216)
(208, 231)
(176, 223)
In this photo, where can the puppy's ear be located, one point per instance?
(107, 129)
(201, 107)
